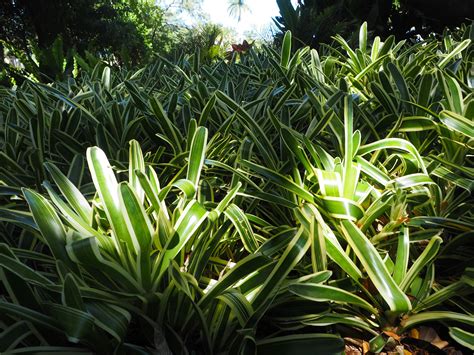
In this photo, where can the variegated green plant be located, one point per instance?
(150, 250)
(359, 213)
(334, 195)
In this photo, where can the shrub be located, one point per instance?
(326, 193)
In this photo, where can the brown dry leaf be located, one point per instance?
(392, 334)
(353, 341)
(353, 346)
(352, 350)
(428, 334)
(414, 333)
(452, 351)
(365, 347)
(398, 350)
(441, 344)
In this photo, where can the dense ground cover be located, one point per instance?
(279, 201)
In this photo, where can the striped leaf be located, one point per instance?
(375, 268)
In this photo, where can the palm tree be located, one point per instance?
(237, 7)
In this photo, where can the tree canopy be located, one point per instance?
(45, 36)
(315, 21)
(43, 28)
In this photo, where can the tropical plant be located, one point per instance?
(373, 210)
(204, 43)
(237, 7)
(360, 218)
(330, 191)
(126, 246)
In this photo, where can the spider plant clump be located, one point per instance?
(283, 202)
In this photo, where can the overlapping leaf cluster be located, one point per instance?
(284, 201)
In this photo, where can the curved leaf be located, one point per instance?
(375, 267)
(301, 344)
(323, 293)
